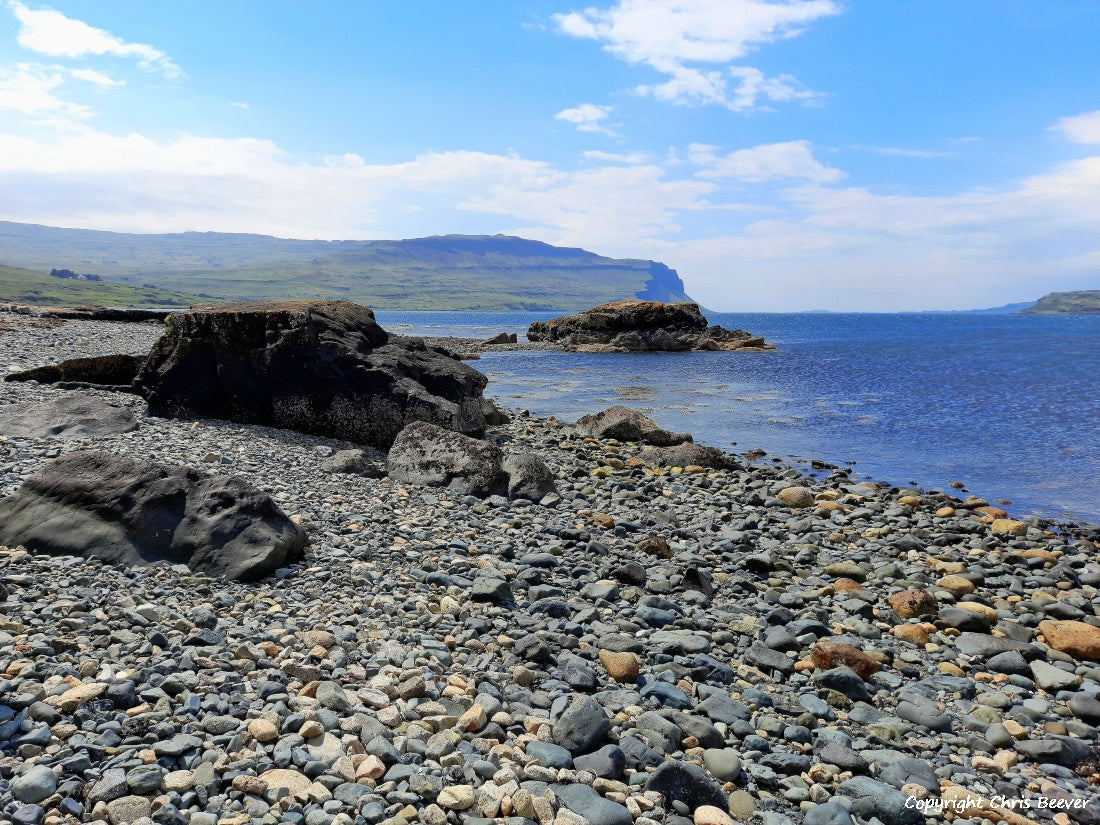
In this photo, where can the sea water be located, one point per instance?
(1009, 405)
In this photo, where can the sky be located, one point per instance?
(872, 155)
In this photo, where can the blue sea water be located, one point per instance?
(1007, 404)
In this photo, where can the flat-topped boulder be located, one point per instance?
(320, 367)
(642, 326)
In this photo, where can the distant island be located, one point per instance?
(1085, 302)
(452, 272)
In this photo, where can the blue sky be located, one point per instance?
(808, 154)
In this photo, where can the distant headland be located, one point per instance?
(1084, 302)
(446, 272)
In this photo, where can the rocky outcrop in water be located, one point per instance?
(319, 367)
(642, 326)
(135, 512)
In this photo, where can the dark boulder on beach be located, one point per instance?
(319, 367)
(72, 416)
(139, 512)
(625, 424)
(428, 455)
(641, 326)
(112, 371)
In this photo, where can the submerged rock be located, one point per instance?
(319, 367)
(641, 326)
(138, 512)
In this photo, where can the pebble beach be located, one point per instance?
(650, 644)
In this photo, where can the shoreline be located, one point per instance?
(811, 646)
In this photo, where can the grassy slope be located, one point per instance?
(24, 286)
(447, 272)
(1086, 302)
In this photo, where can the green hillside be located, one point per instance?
(24, 286)
(1085, 302)
(444, 272)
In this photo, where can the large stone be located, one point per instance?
(138, 512)
(827, 654)
(69, 417)
(528, 476)
(430, 455)
(1078, 639)
(320, 367)
(583, 726)
(625, 424)
(686, 783)
(641, 326)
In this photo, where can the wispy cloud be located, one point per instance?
(96, 78)
(239, 104)
(772, 161)
(30, 89)
(52, 33)
(588, 117)
(900, 152)
(617, 157)
(694, 42)
(1084, 128)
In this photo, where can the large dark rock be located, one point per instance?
(430, 455)
(320, 367)
(625, 424)
(72, 416)
(641, 326)
(115, 371)
(138, 512)
(686, 783)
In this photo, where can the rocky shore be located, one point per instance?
(676, 635)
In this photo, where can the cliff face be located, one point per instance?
(664, 285)
(1085, 302)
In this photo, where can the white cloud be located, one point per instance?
(617, 157)
(681, 37)
(588, 117)
(1083, 128)
(50, 32)
(239, 104)
(900, 152)
(96, 78)
(792, 159)
(30, 89)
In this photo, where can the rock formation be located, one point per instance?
(319, 367)
(138, 512)
(113, 371)
(641, 326)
